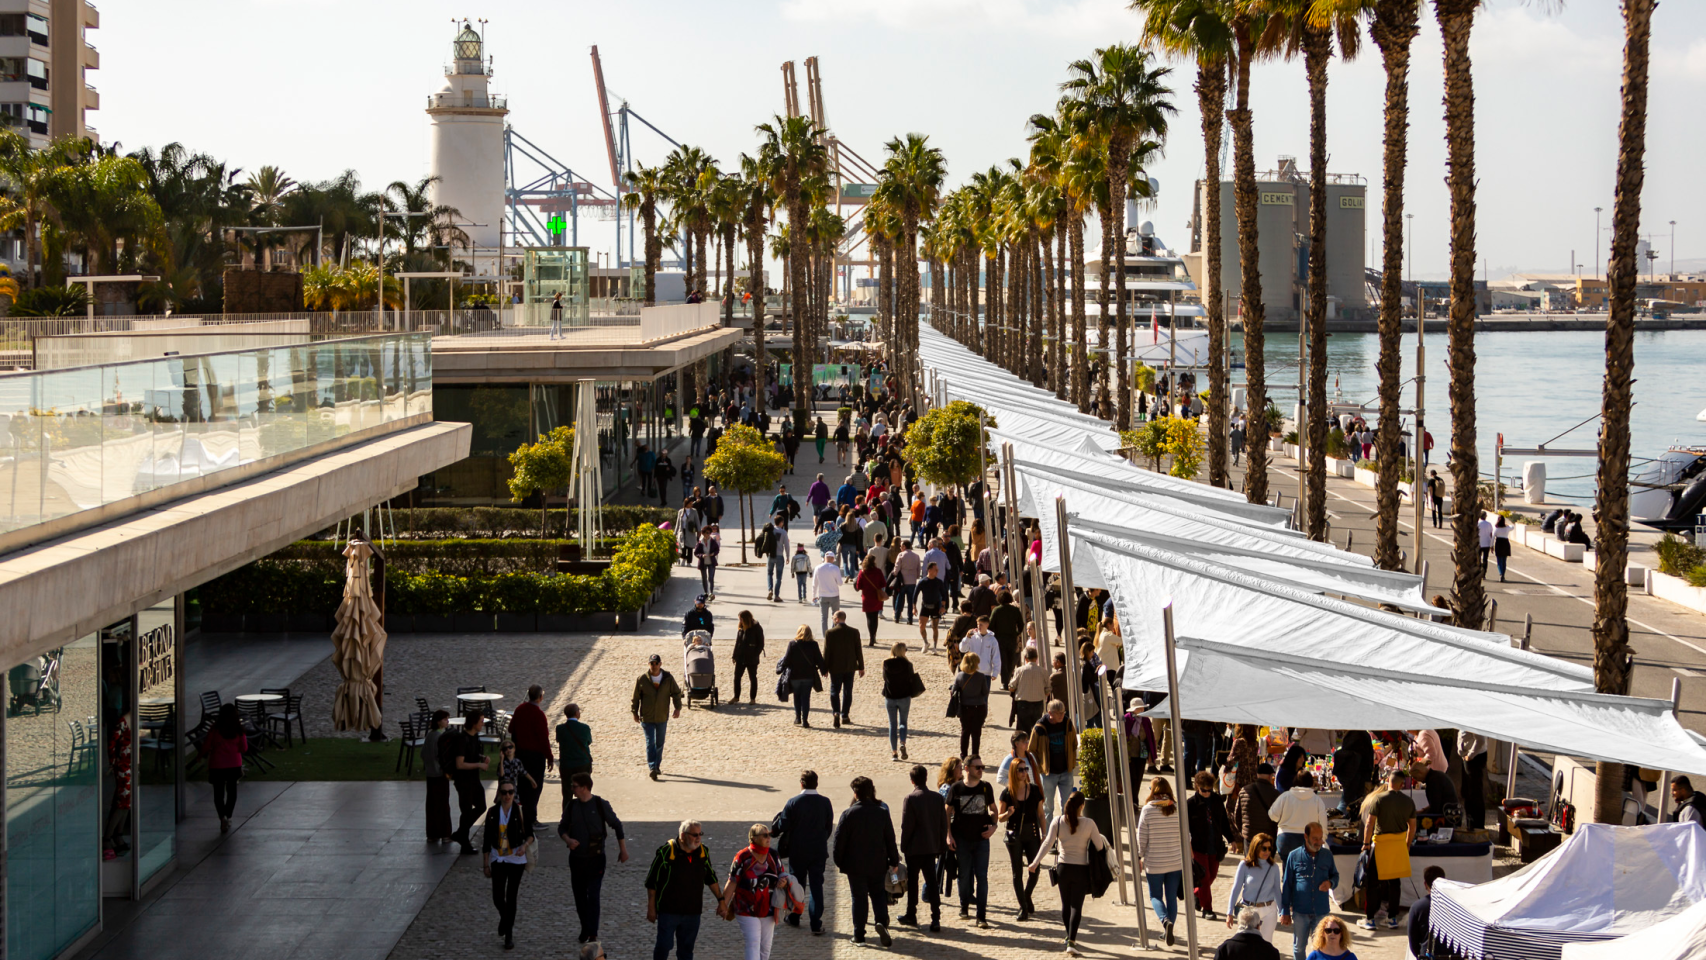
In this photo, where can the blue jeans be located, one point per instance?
(1199, 750)
(974, 865)
(841, 693)
(680, 930)
(1284, 844)
(775, 574)
(1055, 783)
(802, 699)
(904, 596)
(1302, 925)
(1165, 889)
(810, 875)
(899, 709)
(849, 560)
(654, 743)
(800, 581)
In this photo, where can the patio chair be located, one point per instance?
(413, 739)
(285, 712)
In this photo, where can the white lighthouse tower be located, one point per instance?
(467, 147)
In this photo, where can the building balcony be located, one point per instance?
(91, 16)
(91, 57)
(91, 98)
(450, 101)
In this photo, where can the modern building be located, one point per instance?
(1283, 232)
(467, 147)
(44, 59)
(124, 485)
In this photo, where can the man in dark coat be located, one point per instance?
(923, 838)
(844, 656)
(806, 820)
(864, 851)
(1247, 943)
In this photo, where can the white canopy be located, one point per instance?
(1042, 482)
(1682, 937)
(1601, 883)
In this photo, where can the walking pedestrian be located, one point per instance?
(1484, 531)
(801, 566)
(843, 656)
(971, 811)
(1256, 886)
(510, 768)
(509, 830)
(438, 826)
(466, 757)
(801, 833)
(982, 642)
(865, 850)
(900, 684)
(1029, 688)
(556, 317)
(1076, 836)
(1248, 943)
(971, 693)
(826, 588)
(1332, 940)
(772, 544)
(1501, 545)
(1054, 742)
(820, 436)
(1389, 829)
(872, 588)
(224, 747)
(1436, 496)
(1021, 806)
(1160, 855)
(1236, 436)
(1007, 622)
(653, 692)
(748, 651)
(662, 473)
(1294, 811)
(818, 496)
(933, 599)
(705, 555)
(904, 583)
(574, 743)
(756, 871)
(803, 666)
(675, 900)
(583, 831)
(923, 840)
(530, 730)
(1305, 890)
(698, 618)
(1210, 835)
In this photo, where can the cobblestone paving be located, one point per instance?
(728, 767)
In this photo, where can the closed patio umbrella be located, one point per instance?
(358, 645)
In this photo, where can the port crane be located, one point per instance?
(618, 147)
(854, 178)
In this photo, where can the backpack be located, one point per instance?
(765, 543)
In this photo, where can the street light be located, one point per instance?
(89, 285)
(1596, 211)
(1410, 249)
(1673, 249)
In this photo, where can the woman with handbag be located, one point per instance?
(805, 666)
(754, 874)
(1257, 884)
(1211, 831)
(900, 684)
(932, 602)
(873, 590)
(509, 835)
(1076, 836)
(969, 700)
(1021, 808)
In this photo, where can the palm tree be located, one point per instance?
(267, 188)
(31, 175)
(689, 172)
(1079, 177)
(916, 170)
(1393, 29)
(756, 200)
(1613, 658)
(796, 144)
(1199, 29)
(1121, 94)
(428, 225)
(1248, 21)
(645, 186)
(1468, 596)
(105, 199)
(1049, 145)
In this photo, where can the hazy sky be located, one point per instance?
(316, 87)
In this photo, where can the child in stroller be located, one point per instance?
(700, 667)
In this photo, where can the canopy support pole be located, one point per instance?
(1118, 788)
(984, 502)
(1127, 804)
(1069, 605)
(1015, 541)
(1179, 783)
(1664, 782)
(1510, 765)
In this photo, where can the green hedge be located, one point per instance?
(498, 523)
(273, 586)
(463, 558)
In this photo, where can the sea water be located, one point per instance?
(1529, 385)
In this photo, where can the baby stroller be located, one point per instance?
(700, 666)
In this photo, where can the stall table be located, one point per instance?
(1468, 862)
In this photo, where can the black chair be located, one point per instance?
(210, 704)
(285, 712)
(421, 706)
(254, 714)
(79, 746)
(413, 739)
(163, 743)
(464, 707)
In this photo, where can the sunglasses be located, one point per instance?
(1332, 931)
(506, 793)
(695, 834)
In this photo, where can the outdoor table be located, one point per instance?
(458, 721)
(1468, 862)
(258, 697)
(481, 697)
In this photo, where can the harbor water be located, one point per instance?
(1531, 386)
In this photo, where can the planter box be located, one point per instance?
(1677, 591)
(576, 622)
(472, 622)
(1100, 814)
(399, 622)
(1290, 450)
(1367, 478)
(1567, 552)
(434, 623)
(517, 622)
(1275, 446)
(1341, 468)
(221, 623)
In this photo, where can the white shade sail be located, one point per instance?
(1682, 937)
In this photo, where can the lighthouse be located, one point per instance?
(467, 147)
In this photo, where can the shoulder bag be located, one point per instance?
(917, 687)
(954, 701)
(1101, 869)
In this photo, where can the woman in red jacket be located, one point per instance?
(870, 584)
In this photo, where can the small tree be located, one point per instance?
(943, 444)
(1150, 440)
(542, 466)
(745, 462)
(1177, 438)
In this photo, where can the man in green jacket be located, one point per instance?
(652, 694)
(574, 744)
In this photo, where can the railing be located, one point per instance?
(674, 320)
(81, 438)
(437, 101)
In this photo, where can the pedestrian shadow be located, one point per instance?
(705, 781)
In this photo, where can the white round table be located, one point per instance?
(480, 696)
(258, 697)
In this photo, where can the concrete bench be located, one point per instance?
(1567, 552)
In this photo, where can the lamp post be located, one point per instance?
(1673, 249)
(1410, 251)
(1596, 211)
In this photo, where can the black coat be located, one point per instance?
(923, 825)
(698, 618)
(897, 678)
(1247, 945)
(1210, 830)
(520, 822)
(807, 819)
(749, 645)
(803, 660)
(864, 840)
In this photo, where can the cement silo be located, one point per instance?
(467, 146)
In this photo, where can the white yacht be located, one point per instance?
(1670, 491)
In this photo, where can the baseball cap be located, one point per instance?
(699, 599)
(655, 659)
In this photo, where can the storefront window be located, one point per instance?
(155, 759)
(53, 801)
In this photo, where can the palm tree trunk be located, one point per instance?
(1613, 658)
(798, 218)
(649, 218)
(703, 236)
(1039, 310)
(1250, 309)
(1394, 29)
(1468, 596)
(1104, 403)
(755, 267)
(1119, 159)
(1061, 229)
(1211, 101)
(1317, 47)
(1080, 351)
(1051, 304)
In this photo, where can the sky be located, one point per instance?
(316, 87)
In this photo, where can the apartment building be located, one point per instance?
(45, 57)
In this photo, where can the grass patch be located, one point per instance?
(338, 758)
